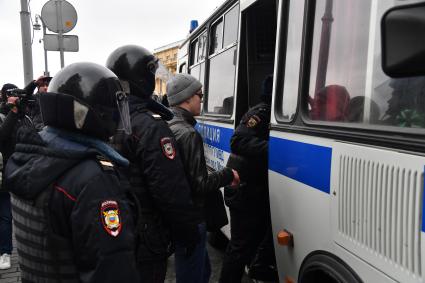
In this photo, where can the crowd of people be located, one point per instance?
(103, 183)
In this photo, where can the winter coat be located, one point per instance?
(87, 211)
(204, 186)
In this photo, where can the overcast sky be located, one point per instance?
(102, 26)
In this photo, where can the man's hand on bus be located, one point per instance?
(236, 180)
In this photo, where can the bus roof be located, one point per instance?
(226, 4)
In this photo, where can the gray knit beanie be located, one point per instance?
(181, 87)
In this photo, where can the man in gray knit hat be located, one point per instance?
(185, 97)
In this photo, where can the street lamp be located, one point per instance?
(36, 26)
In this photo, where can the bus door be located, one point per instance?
(256, 52)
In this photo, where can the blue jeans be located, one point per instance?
(195, 268)
(5, 224)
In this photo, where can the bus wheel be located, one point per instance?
(325, 267)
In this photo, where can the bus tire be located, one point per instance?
(322, 266)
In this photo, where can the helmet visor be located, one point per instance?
(124, 111)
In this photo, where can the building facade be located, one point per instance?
(167, 55)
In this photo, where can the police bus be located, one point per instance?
(346, 149)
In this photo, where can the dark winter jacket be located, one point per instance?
(203, 184)
(251, 141)
(82, 185)
(8, 129)
(8, 123)
(249, 145)
(157, 177)
(34, 112)
(33, 108)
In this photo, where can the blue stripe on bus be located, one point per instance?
(218, 137)
(307, 163)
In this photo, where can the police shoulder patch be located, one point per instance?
(110, 217)
(168, 148)
(253, 121)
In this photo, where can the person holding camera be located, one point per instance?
(33, 108)
(9, 122)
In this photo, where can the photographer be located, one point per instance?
(12, 116)
(9, 120)
(33, 108)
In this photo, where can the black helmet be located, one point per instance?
(86, 97)
(135, 65)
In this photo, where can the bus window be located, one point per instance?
(221, 83)
(292, 60)
(222, 66)
(183, 68)
(202, 47)
(197, 53)
(231, 26)
(194, 52)
(216, 36)
(347, 83)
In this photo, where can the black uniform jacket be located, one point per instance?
(33, 108)
(251, 141)
(80, 188)
(158, 177)
(204, 186)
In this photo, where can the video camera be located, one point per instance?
(22, 94)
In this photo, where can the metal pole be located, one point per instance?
(46, 70)
(322, 66)
(26, 42)
(59, 19)
(325, 40)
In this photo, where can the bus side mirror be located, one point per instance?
(403, 41)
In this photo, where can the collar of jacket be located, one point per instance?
(138, 103)
(78, 142)
(184, 114)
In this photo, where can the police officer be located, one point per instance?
(156, 171)
(249, 205)
(73, 218)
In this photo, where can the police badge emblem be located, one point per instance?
(168, 148)
(253, 121)
(110, 215)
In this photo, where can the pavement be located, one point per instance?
(216, 257)
(12, 274)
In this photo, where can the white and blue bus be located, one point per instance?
(347, 142)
